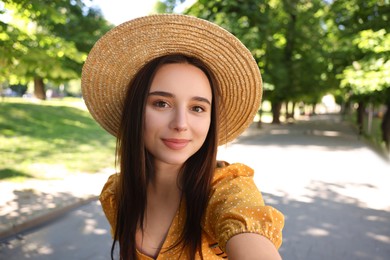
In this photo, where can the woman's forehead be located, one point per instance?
(181, 79)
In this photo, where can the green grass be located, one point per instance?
(49, 139)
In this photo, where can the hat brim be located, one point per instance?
(124, 50)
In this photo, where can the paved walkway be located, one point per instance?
(33, 202)
(332, 188)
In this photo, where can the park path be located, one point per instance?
(332, 188)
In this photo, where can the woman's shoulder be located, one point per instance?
(227, 171)
(236, 206)
(110, 185)
(108, 193)
(108, 200)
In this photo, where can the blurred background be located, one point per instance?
(317, 58)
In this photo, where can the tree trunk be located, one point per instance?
(39, 88)
(360, 116)
(259, 123)
(290, 110)
(292, 114)
(385, 126)
(346, 108)
(275, 107)
(313, 108)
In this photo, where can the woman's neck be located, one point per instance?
(163, 202)
(165, 183)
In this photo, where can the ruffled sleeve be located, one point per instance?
(236, 206)
(108, 202)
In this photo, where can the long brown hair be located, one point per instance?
(136, 165)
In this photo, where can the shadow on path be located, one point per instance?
(329, 225)
(83, 233)
(31, 207)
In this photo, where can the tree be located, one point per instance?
(365, 64)
(48, 40)
(287, 39)
(167, 6)
(307, 48)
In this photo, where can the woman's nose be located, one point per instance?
(179, 120)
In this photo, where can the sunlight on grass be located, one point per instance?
(48, 139)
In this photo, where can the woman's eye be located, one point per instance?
(161, 104)
(198, 109)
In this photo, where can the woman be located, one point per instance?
(172, 88)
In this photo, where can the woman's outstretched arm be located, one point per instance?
(248, 246)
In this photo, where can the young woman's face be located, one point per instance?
(178, 112)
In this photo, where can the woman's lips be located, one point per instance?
(176, 144)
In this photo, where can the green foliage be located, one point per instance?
(364, 60)
(167, 6)
(372, 72)
(306, 49)
(287, 38)
(48, 139)
(47, 39)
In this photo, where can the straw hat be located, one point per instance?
(120, 53)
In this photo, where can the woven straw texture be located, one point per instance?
(120, 53)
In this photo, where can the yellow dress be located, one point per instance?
(236, 206)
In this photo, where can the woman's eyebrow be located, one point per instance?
(202, 99)
(170, 95)
(161, 93)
